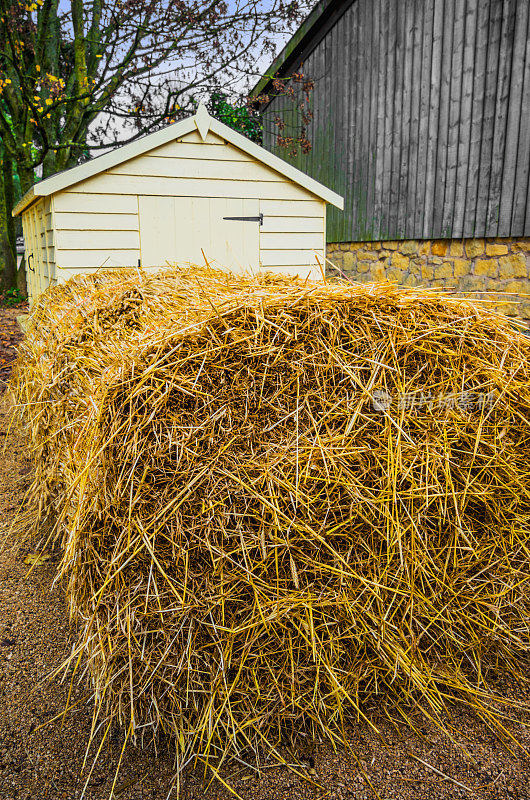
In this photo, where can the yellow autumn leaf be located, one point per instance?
(37, 559)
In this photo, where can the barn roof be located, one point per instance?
(201, 122)
(312, 30)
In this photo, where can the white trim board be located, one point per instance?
(201, 122)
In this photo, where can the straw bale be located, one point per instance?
(281, 502)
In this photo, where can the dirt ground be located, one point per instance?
(9, 337)
(42, 749)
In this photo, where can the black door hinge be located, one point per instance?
(247, 219)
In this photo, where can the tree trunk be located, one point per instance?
(9, 242)
(27, 179)
(22, 285)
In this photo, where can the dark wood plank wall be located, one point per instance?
(421, 119)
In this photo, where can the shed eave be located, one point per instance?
(304, 40)
(304, 30)
(276, 163)
(202, 122)
(26, 201)
(69, 177)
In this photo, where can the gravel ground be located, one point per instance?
(42, 750)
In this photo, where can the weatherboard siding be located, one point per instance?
(37, 227)
(421, 119)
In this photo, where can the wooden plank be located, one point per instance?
(456, 122)
(515, 118)
(426, 12)
(35, 269)
(158, 235)
(76, 201)
(397, 115)
(46, 239)
(346, 164)
(415, 99)
(205, 169)
(380, 119)
(121, 185)
(27, 220)
(344, 155)
(521, 198)
(77, 220)
(290, 241)
(288, 208)
(356, 121)
(41, 244)
(51, 233)
(235, 245)
(292, 225)
(407, 160)
(284, 258)
(98, 240)
(443, 121)
(338, 133)
(501, 117)
(224, 152)
(320, 111)
(36, 250)
(527, 214)
(365, 116)
(488, 118)
(196, 138)
(327, 46)
(434, 116)
(475, 126)
(464, 125)
(25, 232)
(390, 82)
(373, 46)
(68, 259)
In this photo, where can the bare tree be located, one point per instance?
(91, 74)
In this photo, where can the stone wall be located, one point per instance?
(480, 266)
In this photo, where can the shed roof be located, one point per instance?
(201, 121)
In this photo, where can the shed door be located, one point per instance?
(174, 230)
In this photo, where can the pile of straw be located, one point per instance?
(281, 502)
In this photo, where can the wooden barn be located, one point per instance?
(421, 120)
(194, 190)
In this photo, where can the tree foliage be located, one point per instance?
(239, 116)
(290, 126)
(92, 72)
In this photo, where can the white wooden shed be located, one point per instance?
(196, 186)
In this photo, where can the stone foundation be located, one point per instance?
(481, 266)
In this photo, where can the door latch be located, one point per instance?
(247, 219)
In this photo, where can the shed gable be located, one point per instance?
(188, 167)
(99, 220)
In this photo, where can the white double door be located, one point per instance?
(188, 230)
